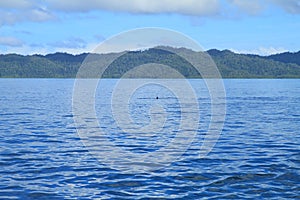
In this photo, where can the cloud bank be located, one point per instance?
(14, 11)
(290, 6)
(16, 4)
(10, 41)
(258, 6)
(186, 7)
(13, 16)
(263, 51)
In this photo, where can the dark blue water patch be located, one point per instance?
(68, 115)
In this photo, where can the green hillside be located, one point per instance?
(231, 65)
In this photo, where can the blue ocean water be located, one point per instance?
(256, 156)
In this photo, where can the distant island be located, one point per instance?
(230, 64)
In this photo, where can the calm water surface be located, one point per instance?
(257, 155)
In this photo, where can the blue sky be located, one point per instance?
(246, 26)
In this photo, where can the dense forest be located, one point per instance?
(230, 64)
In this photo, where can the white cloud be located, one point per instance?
(11, 17)
(185, 7)
(43, 49)
(10, 41)
(263, 51)
(25, 50)
(15, 4)
(39, 14)
(251, 7)
(290, 6)
(71, 43)
(16, 11)
(86, 49)
(258, 6)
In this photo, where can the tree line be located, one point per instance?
(230, 64)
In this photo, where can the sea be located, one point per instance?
(255, 156)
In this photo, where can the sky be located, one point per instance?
(261, 27)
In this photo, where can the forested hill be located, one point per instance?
(287, 57)
(231, 65)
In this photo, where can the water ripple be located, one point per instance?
(256, 157)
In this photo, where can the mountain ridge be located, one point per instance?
(230, 64)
